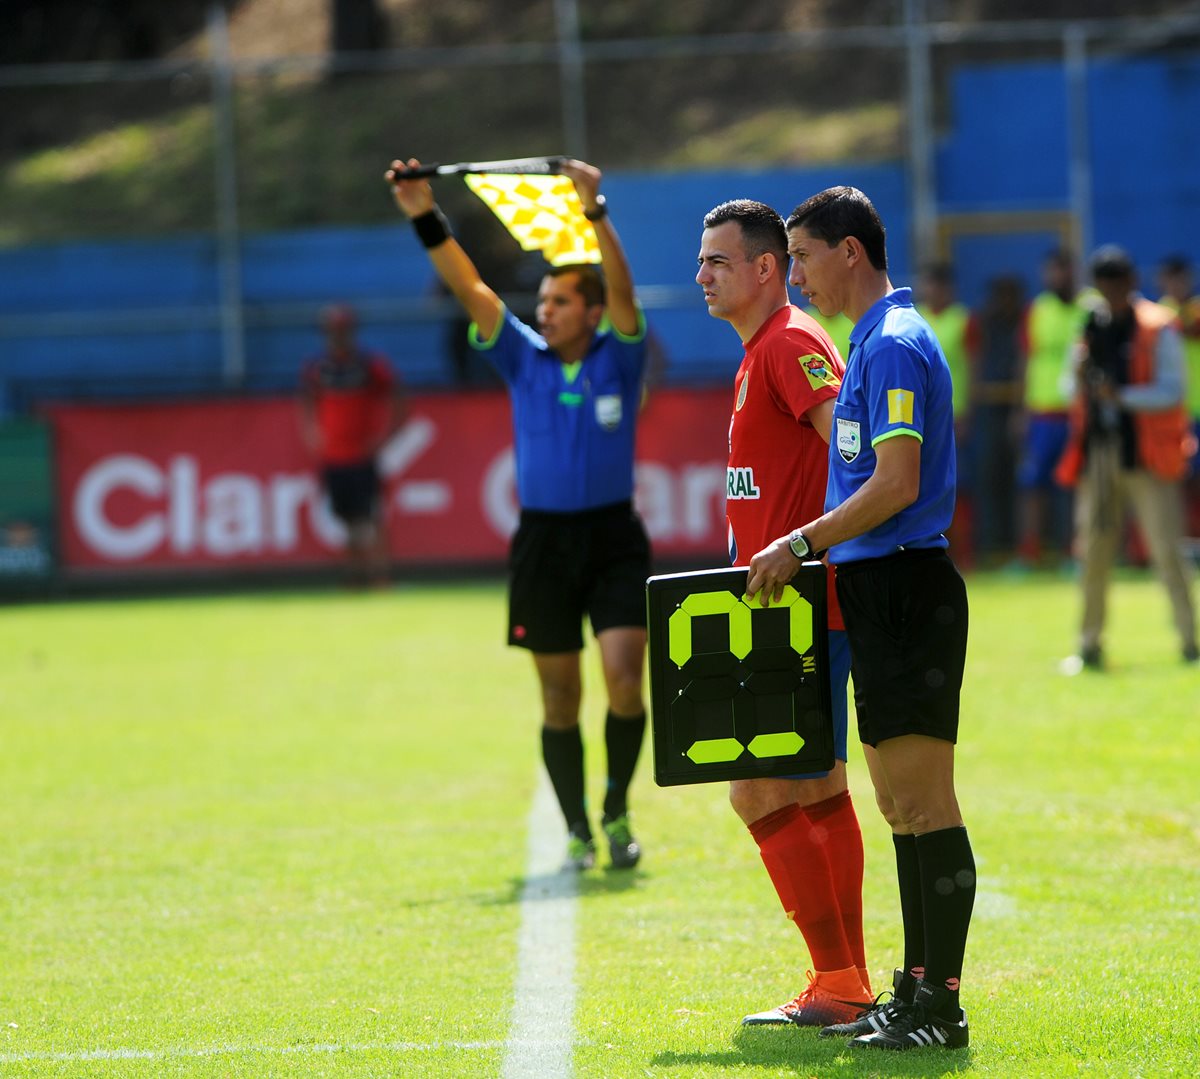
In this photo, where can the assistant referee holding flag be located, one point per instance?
(889, 504)
(575, 384)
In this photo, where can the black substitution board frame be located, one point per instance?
(751, 698)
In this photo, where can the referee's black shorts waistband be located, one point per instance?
(611, 509)
(902, 554)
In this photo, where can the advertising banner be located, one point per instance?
(230, 484)
(26, 504)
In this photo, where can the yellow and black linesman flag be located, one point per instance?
(543, 213)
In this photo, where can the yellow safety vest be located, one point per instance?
(1052, 326)
(950, 327)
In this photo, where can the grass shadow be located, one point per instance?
(804, 1052)
(557, 885)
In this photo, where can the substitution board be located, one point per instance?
(737, 690)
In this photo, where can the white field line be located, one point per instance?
(541, 1037)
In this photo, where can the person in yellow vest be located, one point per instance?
(953, 325)
(1130, 441)
(1052, 323)
(1175, 281)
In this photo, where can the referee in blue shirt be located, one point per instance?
(575, 382)
(888, 506)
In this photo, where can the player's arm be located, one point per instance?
(821, 417)
(397, 404)
(621, 298)
(453, 264)
(893, 485)
(309, 429)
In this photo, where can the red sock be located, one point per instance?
(803, 878)
(836, 825)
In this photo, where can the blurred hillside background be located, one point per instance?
(184, 186)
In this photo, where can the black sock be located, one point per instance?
(623, 740)
(912, 907)
(562, 750)
(948, 885)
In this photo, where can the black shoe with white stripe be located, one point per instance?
(920, 1025)
(879, 1014)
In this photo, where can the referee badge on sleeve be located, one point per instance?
(900, 406)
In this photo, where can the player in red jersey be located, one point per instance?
(805, 826)
(352, 404)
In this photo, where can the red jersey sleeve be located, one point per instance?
(802, 369)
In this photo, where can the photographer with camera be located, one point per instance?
(1130, 442)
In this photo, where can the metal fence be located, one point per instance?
(228, 146)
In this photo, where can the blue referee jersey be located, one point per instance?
(897, 385)
(573, 424)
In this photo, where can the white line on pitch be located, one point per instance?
(541, 1037)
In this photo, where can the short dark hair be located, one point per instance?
(1111, 263)
(590, 282)
(762, 227)
(837, 212)
(1060, 256)
(941, 273)
(1175, 264)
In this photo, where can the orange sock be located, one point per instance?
(835, 824)
(800, 870)
(844, 984)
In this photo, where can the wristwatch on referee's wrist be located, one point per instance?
(598, 211)
(800, 547)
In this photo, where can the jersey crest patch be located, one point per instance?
(739, 483)
(819, 373)
(741, 394)
(848, 438)
(608, 411)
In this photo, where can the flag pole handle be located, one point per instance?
(536, 166)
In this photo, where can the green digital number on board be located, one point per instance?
(739, 613)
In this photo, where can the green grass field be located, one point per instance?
(285, 835)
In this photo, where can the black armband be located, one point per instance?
(432, 228)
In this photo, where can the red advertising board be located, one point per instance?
(229, 483)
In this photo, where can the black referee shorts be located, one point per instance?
(565, 565)
(906, 618)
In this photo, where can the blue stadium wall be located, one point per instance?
(1005, 154)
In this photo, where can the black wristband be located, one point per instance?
(432, 228)
(600, 211)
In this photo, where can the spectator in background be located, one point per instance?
(1052, 323)
(994, 397)
(352, 403)
(1176, 283)
(956, 331)
(1130, 442)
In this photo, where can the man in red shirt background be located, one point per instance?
(352, 404)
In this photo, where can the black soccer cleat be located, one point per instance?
(880, 1013)
(920, 1025)
(581, 854)
(623, 850)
